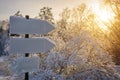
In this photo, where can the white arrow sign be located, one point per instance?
(30, 45)
(25, 64)
(20, 25)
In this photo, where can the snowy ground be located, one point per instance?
(94, 74)
(98, 73)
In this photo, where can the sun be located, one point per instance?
(103, 15)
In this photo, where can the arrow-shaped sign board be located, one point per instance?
(30, 45)
(20, 25)
(25, 64)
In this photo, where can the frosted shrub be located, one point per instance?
(56, 62)
(84, 53)
(81, 58)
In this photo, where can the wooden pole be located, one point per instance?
(27, 54)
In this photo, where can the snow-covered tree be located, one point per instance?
(46, 14)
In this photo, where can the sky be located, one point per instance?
(32, 7)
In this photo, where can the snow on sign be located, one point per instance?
(25, 64)
(20, 25)
(30, 45)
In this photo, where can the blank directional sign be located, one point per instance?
(30, 45)
(25, 64)
(20, 25)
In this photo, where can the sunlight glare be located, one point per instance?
(103, 15)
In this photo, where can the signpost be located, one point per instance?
(20, 25)
(27, 54)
